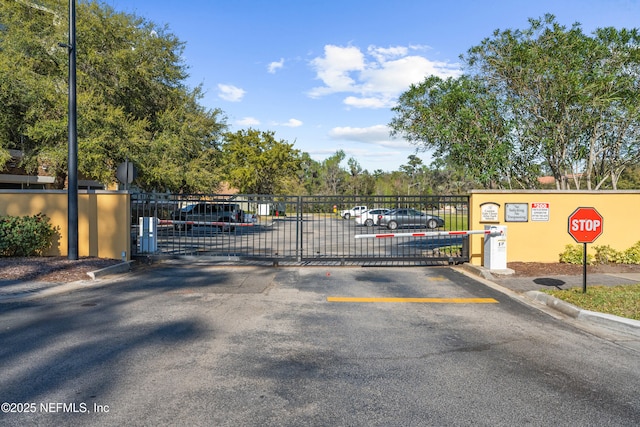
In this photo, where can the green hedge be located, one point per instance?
(605, 254)
(26, 236)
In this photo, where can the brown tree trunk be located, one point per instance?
(60, 180)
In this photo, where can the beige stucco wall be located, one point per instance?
(543, 241)
(103, 219)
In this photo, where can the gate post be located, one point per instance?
(495, 247)
(299, 229)
(148, 238)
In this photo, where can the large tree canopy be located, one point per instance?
(132, 100)
(546, 97)
(462, 121)
(256, 163)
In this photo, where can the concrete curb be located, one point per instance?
(124, 267)
(477, 270)
(50, 289)
(603, 319)
(629, 325)
(555, 303)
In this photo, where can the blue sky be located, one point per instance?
(324, 74)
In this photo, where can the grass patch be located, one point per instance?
(454, 222)
(623, 300)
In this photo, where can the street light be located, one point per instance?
(72, 160)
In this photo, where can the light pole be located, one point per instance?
(72, 173)
(72, 159)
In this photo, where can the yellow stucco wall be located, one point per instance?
(103, 219)
(543, 241)
(104, 229)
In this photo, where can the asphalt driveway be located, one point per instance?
(209, 345)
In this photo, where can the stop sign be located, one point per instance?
(585, 225)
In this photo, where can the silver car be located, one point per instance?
(397, 218)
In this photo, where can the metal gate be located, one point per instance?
(300, 230)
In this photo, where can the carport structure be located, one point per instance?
(300, 230)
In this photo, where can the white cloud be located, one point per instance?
(376, 135)
(335, 68)
(292, 123)
(248, 121)
(354, 101)
(274, 66)
(384, 53)
(230, 93)
(377, 78)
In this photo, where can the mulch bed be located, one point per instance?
(537, 269)
(51, 269)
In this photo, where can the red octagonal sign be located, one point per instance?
(585, 225)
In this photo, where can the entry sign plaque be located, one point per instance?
(585, 226)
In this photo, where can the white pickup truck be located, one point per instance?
(353, 212)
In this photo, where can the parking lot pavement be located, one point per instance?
(527, 288)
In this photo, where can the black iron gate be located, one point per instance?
(302, 229)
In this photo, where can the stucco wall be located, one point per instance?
(104, 229)
(543, 241)
(103, 219)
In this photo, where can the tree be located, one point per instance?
(614, 140)
(416, 174)
(450, 179)
(32, 78)
(358, 181)
(630, 178)
(564, 91)
(461, 121)
(334, 176)
(132, 100)
(310, 175)
(546, 97)
(256, 163)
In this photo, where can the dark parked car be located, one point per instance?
(204, 213)
(409, 218)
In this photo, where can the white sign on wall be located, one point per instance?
(540, 211)
(516, 212)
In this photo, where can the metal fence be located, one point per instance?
(297, 229)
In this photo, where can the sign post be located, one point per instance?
(585, 226)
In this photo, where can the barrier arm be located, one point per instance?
(490, 233)
(214, 223)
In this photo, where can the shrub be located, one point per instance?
(606, 254)
(631, 255)
(573, 255)
(26, 236)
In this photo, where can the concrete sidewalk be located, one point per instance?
(526, 284)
